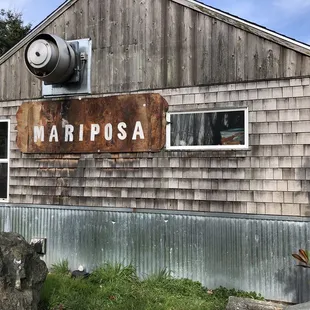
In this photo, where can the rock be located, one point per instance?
(22, 273)
(79, 274)
(238, 303)
(303, 306)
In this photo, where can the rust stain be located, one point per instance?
(130, 123)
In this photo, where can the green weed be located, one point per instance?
(61, 268)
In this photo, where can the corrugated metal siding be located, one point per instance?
(249, 253)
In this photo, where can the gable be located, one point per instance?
(155, 44)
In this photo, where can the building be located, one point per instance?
(225, 201)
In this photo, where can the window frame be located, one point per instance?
(7, 160)
(169, 147)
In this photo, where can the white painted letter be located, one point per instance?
(54, 134)
(69, 133)
(81, 133)
(108, 132)
(138, 131)
(38, 133)
(94, 131)
(122, 135)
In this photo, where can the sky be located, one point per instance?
(288, 17)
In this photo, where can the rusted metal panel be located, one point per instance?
(129, 123)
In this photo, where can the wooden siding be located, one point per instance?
(272, 177)
(151, 44)
(160, 45)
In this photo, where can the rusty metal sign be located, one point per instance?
(130, 123)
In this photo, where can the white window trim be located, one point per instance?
(7, 160)
(208, 147)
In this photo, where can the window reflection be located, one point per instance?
(208, 128)
(3, 180)
(3, 140)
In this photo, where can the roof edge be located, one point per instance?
(37, 29)
(192, 4)
(246, 26)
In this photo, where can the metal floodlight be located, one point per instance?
(63, 66)
(52, 59)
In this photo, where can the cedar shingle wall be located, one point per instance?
(273, 177)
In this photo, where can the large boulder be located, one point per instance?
(304, 306)
(238, 303)
(22, 273)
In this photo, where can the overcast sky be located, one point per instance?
(288, 17)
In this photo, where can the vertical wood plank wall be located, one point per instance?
(152, 44)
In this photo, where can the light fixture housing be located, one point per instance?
(64, 67)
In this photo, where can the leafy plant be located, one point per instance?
(303, 258)
(223, 292)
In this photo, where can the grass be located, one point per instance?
(61, 268)
(118, 287)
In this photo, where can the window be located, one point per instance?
(205, 130)
(4, 159)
